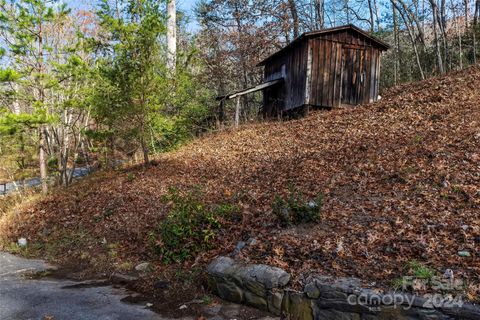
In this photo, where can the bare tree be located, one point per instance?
(319, 7)
(42, 143)
(295, 21)
(372, 16)
(436, 25)
(395, 41)
(459, 34)
(466, 13)
(476, 15)
(412, 37)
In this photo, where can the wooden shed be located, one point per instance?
(327, 68)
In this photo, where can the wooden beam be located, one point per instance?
(237, 113)
(251, 89)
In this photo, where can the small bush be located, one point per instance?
(398, 283)
(189, 227)
(296, 209)
(419, 270)
(130, 177)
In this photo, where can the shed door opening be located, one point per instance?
(273, 100)
(353, 76)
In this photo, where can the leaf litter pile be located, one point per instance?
(400, 181)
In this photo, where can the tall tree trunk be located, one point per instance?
(241, 57)
(21, 145)
(320, 14)
(412, 19)
(42, 159)
(85, 154)
(146, 159)
(436, 24)
(377, 16)
(423, 13)
(412, 37)
(465, 13)
(395, 41)
(172, 35)
(459, 35)
(372, 19)
(442, 18)
(15, 103)
(347, 10)
(42, 142)
(294, 13)
(477, 12)
(21, 151)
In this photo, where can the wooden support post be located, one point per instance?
(237, 113)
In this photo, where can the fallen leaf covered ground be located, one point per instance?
(400, 180)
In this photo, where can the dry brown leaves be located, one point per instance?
(401, 180)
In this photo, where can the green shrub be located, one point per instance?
(296, 209)
(398, 283)
(189, 227)
(130, 177)
(419, 270)
(52, 163)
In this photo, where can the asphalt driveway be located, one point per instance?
(23, 298)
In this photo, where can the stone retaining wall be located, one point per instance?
(263, 287)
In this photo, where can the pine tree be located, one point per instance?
(25, 22)
(132, 70)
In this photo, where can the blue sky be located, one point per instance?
(186, 5)
(182, 4)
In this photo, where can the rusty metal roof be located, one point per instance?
(383, 45)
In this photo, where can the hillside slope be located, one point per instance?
(400, 180)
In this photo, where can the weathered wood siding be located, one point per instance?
(292, 66)
(330, 68)
(345, 69)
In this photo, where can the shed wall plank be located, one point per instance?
(344, 64)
